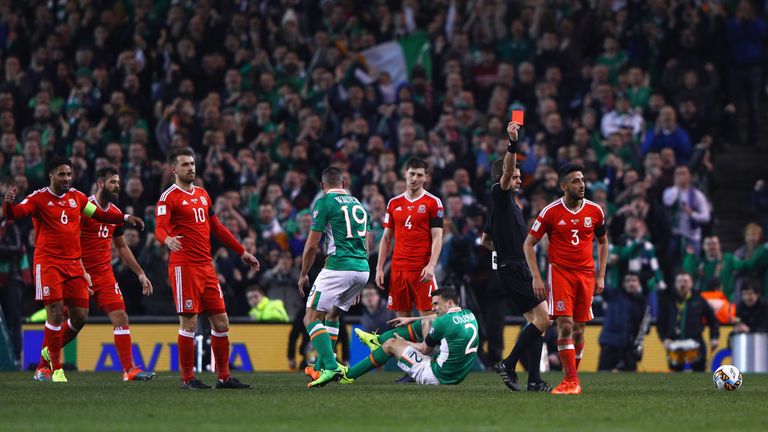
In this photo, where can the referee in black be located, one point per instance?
(504, 234)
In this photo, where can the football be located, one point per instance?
(727, 377)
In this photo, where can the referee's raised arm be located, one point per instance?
(510, 158)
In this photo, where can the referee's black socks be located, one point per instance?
(527, 337)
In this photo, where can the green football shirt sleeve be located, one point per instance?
(319, 216)
(435, 333)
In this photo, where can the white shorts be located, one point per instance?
(336, 288)
(418, 366)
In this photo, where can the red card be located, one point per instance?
(518, 116)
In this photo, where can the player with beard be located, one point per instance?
(95, 239)
(185, 221)
(60, 278)
(572, 223)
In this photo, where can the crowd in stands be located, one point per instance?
(643, 94)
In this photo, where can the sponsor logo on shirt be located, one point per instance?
(562, 222)
(194, 200)
(50, 203)
(587, 222)
(574, 221)
(184, 202)
(399, 208)
(422, 209)
(410, 208)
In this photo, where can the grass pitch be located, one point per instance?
(647, 402)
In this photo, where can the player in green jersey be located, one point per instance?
(342, 220)
(453, 329)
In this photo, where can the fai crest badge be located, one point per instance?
(587, 222)
(560, 305)
(187, 304)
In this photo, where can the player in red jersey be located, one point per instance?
(571, 223)
(59, 275)
(185, 221)
(95, 240)
(414, 220)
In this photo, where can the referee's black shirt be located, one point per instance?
(506, 225)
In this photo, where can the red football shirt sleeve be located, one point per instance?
(540, 226)
(98, 214)
(388, 221)
(600, 229)
(436, 214)
(162, 221)
(21, 210)
(222, 233)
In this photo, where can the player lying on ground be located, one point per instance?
(453, 329)
(346, 226)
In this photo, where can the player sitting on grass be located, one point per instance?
(452, 328)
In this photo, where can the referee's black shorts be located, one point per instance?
(517, 283)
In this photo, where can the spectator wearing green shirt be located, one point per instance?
(263, 309)
(712, 264)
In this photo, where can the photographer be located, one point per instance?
(625, 308)
(681, 325)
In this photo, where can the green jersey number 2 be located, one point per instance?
(359, 215)
(470, 349)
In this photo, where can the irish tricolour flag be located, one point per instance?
(399, 57)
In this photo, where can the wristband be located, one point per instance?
(512, 147)
(125, 217)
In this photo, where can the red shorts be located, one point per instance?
(61, 281)
(406, 290)
(196, 289)
(106, 292)
(570, 293)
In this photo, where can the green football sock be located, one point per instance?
(376, 359)
(411, 332)
(333, 332)
(322, 342)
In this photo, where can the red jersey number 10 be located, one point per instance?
(199, 214)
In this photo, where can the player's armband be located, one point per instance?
(600, 231)
(430, 342)
(89, 209)
(436, 222)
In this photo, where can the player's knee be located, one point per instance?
(542, 322)
(119, 318)
(388, 345)
(565, 329)
(78, 317)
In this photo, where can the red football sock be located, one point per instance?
(220, 347)
(567, 357)
(579, 352)
(123, 343)
(52, 339)
(186, 355)
(68, 333)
